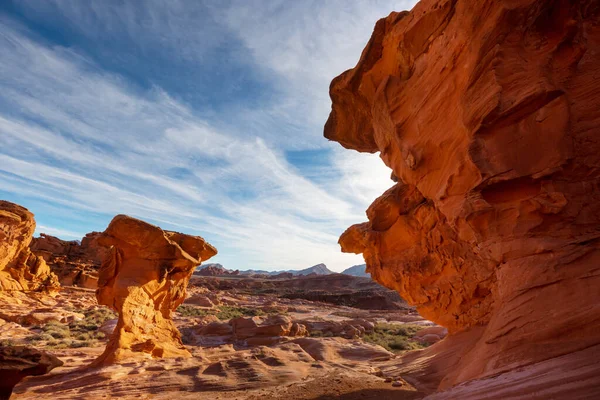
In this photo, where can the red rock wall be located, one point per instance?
(488, 112)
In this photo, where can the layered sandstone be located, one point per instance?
(488, 113)
(21, 270)
(75, 263)
(144, 279)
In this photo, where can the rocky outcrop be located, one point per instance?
(245, 331)
(144, 279)
(75, 263)
(20, 270)
(487, 112)
(350, 329)
(18, 362)
(215, 271)
(265, 331)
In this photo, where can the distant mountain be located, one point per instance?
(319, 269)
(255, 272)
(357, 270)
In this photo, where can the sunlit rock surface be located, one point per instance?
(488, 114)
(75, 263)
(144, 279)
(20, 270)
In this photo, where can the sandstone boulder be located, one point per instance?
(21, 270)
(144, 279)
(247, 327)
(487, 112)
(431, 335)
(349, 329)
(216, 328)
(200, 300)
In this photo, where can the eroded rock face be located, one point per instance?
(18, 362)
(20, 270)
(144, 279)
(488, 114)
(75, 264)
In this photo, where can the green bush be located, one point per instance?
(57, 330)
(39, 337)
(394, 337)
(193, 311)
(230, 312)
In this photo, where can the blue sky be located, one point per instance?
(200, 117)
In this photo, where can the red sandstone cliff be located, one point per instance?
(488, 112)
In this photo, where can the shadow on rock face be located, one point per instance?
(18, 362)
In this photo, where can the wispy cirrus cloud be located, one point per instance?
(82, 139)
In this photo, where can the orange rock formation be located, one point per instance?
(74, 263)
(144, 279)
(20, 270)
(488, 114)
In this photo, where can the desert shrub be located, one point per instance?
(402, 344)
(193, 311)
(75, 344)
(75, 334)
(394, 337)
(59, 344)
(39, 337)
(229, 312)
(57, 330)
(69, 343)
(87, 328)
(99, 315)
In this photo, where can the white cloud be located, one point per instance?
(61, 233)
(83, 138)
